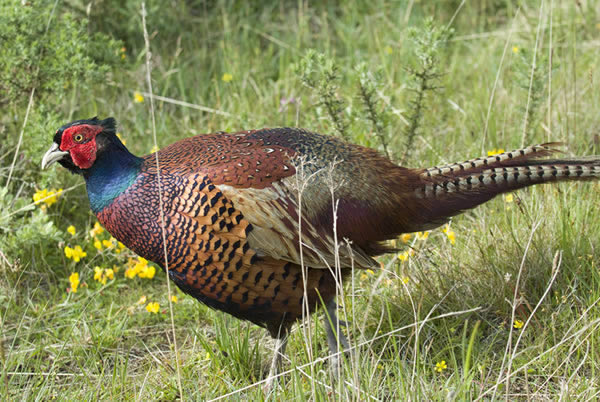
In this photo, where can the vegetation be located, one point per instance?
(501, 303)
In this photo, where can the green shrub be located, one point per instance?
(48, 56)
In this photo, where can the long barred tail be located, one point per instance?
(451, 189)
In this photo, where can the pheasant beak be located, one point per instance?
(54, 154)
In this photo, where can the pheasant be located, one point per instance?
(237, 206)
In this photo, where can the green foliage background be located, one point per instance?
(425, 82)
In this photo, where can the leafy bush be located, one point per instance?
(50, 52)
(47, 56)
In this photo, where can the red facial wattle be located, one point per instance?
(83, 152)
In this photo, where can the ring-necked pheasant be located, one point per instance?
(232, 211)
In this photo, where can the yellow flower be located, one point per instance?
(98, 273)
(75, 253)
(515, 49)
(141, 263)
(47, 197)
(495, 152)
(404, 256)
(388, 50)
(154, 149)
(370, 272)
(153, 307)
(110, 273)
(108, 243)
(39, 195)
(97, 230)
(405, 280)
(452, 237)
(422, 235)
(74, 280)
(142, 300)
(138, 97)
(140, 268)
(509, 198)
(450, 234)
(98, 244)
(71, 230)
(174, 299)
(518, 324)
(130, 273)
(227, 77)
(441, 366)
(147, 272)
(405, 237)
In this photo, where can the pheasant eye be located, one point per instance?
(78, 137)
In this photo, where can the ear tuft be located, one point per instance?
(109, 124)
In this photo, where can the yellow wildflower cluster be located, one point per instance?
(140, 268)
(74, 281)
(102, 275)
(109, 244)
(154, 149)
(405, 238)
(405, 255)
(518, 324)
(441, 366)
(97, 230)
(71, 229)
(422, 235)
(48, 197)
(152, 307)
(495, 152)
(76, 253)
(227, 77)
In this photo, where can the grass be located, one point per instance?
(532, 259)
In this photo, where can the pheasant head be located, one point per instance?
(91, 148)
(78, 144)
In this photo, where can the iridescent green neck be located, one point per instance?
(111, 174)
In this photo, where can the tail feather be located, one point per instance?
(451, 189)
(510, 158)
